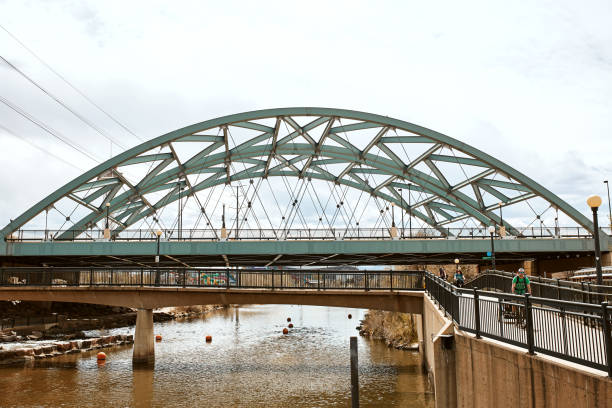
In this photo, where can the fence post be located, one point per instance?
(141, 277)
(558, 289)
(607, 336)
(476, 313)
(272, 280)
(318, 280)
(227, 282)
(529, 319)
(391, 280)
(365, 281)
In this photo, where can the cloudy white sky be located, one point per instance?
(527, 82)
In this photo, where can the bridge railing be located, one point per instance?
(573, 331)
(356, 233)
(582, 292)
(319, 279)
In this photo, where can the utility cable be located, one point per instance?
(77, 90)
(59, 101)
(48, 129)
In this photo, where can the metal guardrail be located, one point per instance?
(582, 292)
(356, 233)
(321, 279)
(576, 332)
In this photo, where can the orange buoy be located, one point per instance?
(291, 325)
(285, 331)
(158, 337)
(350, 316)
(208, 338)
(288, 319)
(101, 356)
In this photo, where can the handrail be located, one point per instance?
(539, 324)
(583, 292)
(224, 278)
(315, 233)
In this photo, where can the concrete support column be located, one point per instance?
(144, 342)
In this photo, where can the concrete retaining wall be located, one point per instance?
(484, 373)
(493, 375)
(439, 361)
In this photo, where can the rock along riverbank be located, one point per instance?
(29, 353)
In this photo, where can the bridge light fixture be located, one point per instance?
(594, 202)
(457, 264)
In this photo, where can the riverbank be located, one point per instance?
(397, 330)
(27, 353)
(67, 334)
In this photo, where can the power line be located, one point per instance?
(23, 139)
(48, 129)
(56, 99)
(77, 90)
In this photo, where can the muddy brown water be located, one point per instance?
(249, 363)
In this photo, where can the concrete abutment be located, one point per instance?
(469, 372)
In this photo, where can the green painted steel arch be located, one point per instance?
(449, 197)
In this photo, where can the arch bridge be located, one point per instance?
(297, 186)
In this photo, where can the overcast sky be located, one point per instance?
(529, 82)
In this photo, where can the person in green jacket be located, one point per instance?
(520, 283)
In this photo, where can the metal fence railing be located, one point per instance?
(315, 233)
(321, 279)
(582, 292)
(573, 331)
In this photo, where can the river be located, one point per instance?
(249, 363)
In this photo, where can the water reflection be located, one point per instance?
(249, 363)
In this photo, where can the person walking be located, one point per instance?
(520, 283)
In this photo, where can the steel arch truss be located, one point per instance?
(303, 143)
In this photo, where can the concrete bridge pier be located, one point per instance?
(144, 342)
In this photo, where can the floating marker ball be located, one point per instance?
(350, 316)
(291, 325)
(101, 356)
(288, 319)
(285, 331)
(158, 337)
(208, 338)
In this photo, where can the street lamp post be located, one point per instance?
(609, 207)
(492, 232)
(402, 206)
(107, 225)
(456, 264)
(157, 272)
(410, 209)
(594, 202)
